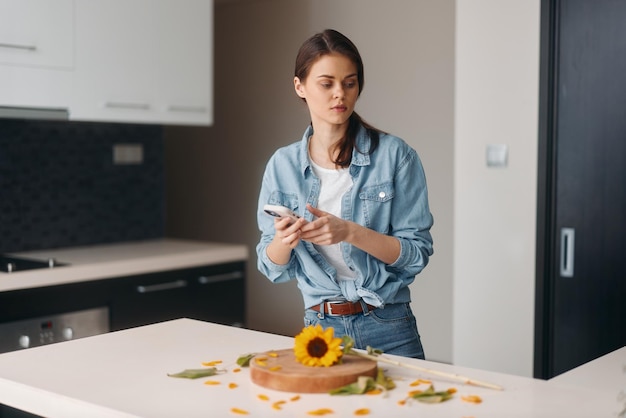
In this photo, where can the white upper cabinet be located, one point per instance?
(134, 61)
(36, 53)
(146, 61)
(185, 61)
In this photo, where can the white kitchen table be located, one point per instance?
(124, 374)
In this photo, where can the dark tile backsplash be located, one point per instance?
(60, 188)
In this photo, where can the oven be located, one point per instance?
(35, 317)
(50, 329)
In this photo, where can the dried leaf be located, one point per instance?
(362, 385)
(384, 381)
(430, 396)
(195, 373)
(365, 384)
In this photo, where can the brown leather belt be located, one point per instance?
(338, 308)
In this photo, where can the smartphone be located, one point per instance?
(281, 212)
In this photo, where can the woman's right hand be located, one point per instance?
(286, 238)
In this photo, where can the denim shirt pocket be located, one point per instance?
(376, 202)
(288, 200)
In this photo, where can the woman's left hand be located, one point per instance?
(327, 229)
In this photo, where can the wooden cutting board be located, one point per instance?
(279, 370)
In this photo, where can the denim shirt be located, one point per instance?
(388, 195)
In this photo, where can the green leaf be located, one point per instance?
(373, 351)
(430, 396)
(347, 343)
(244, 359)
(195, 373)
(384, 381)
(362, 385)
(365, 384)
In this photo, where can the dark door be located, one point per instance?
(581, 275)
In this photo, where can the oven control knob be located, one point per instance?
(24, 341)
(68, 333)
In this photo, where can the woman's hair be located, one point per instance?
(324, 43)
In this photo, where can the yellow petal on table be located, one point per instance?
(322, 411)
(212, 382)
(239, 411)
(374, 392)
(232, 385)
(419, 382)
(362, 411)
(263, 397)
(278, 405)
(472, 398)
(212, 363)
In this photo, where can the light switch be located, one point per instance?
(497, 155)
(125, 154)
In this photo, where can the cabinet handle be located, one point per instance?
(188, 109)
(162, 286)
(19, 46)
(127, 105)
(567, 252)
(220, 277)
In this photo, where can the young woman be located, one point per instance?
(364, 227)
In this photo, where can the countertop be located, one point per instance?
(115, 260)
(124, 374)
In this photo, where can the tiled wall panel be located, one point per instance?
(59, 186)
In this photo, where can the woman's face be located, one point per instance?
(331, 90)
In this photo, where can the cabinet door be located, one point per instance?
(36, 53)
(36, 33)
(185, 61)
(144, 61)
(116, 68)
(582, 312)
(212, 293)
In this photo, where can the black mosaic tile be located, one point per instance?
(59, 186)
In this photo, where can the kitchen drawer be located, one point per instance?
(211, 293)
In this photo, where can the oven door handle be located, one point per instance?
(176, 284)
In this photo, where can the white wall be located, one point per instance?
(409, 91)
(496, 102)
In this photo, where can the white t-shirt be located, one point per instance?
(334, 183)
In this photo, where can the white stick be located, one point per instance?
(463, 379)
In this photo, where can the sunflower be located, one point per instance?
(316, 347)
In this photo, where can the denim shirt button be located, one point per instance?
(381, 195)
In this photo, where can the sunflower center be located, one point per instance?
(317, 347)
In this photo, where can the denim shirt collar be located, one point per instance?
(359, 153)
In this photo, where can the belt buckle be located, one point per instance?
(329, 306)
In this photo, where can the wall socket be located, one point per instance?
(127, 154)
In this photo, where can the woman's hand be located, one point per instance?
(327, 229)
(287, 233)
(286, 238)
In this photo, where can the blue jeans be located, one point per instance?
(392, 329)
